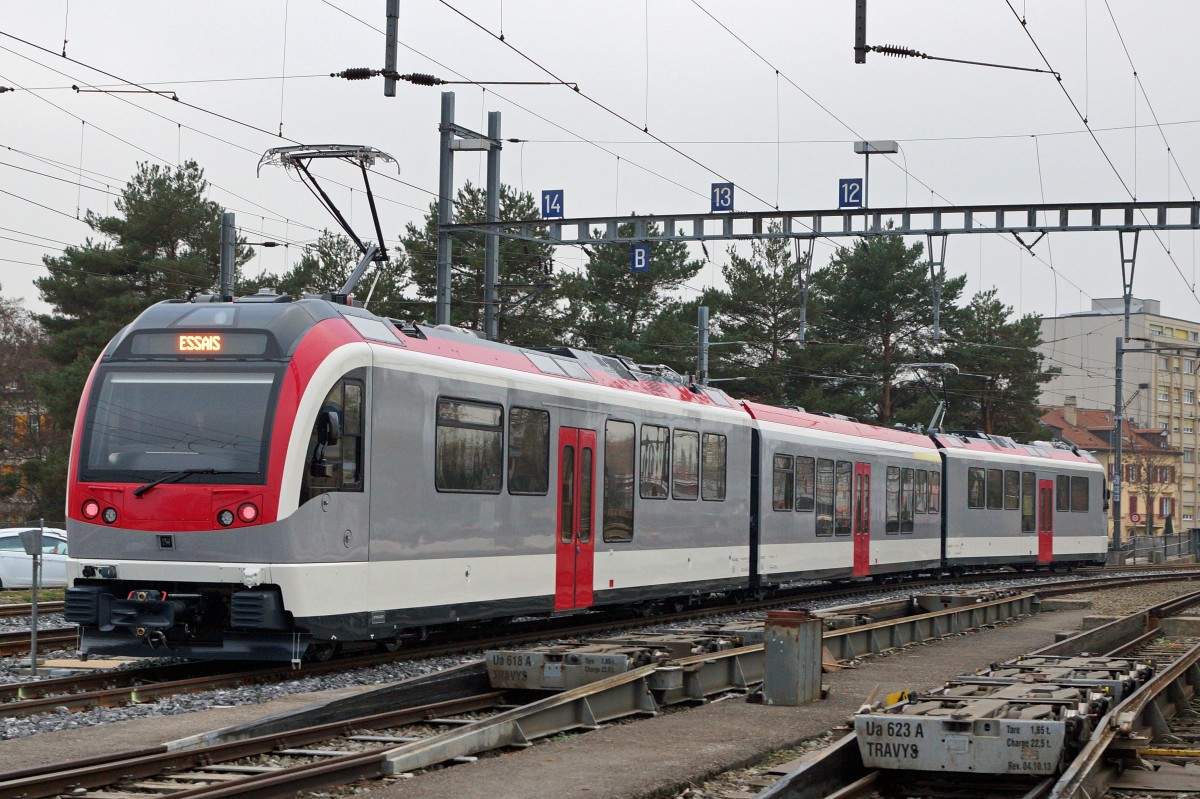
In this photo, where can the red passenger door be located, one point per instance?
(1045, 521)
(575, 547)
(862, 519)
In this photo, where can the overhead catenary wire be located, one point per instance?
(1149, 105)
(834, 116)
(777, 198)
(1103, 152)
(578, 137)
(193, 106)
(151, 155)
(608, 110)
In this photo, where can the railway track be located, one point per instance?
(839, 773)
(25, 608)
(113, 688)
(17, 642)
(436, 724)
(239, 769)
(116, 687)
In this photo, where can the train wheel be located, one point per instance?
(388, 644)
(322, 653)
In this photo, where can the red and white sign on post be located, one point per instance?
(1135, 517)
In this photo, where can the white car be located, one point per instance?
(16, 568)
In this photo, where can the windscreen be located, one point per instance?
(147, 422)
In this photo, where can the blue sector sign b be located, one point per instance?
(639, 258)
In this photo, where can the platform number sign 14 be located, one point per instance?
(850, 193)
(722, 197)
(552, 204)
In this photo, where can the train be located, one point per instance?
(273, 478)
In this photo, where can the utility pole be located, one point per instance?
(804, 275)
(1128, 265)
(702, 345)
(491, 245)
(1119, 435)
(228, 242)
(457, 138)
(445, 208)
(389, 52)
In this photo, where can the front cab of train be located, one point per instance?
(177, 462)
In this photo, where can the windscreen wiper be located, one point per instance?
(176, 477)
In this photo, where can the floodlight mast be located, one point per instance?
(299, 156)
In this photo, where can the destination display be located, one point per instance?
(200, 343)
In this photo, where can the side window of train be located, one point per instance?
(806, 480)
(976, 487)
(783, 483)
(712, 467)
(656, 463)
(469, 453)
(922, 505)
(1012, 490)
(528, 451)
(843, 498)
(620, 451)
(1079, 495)
(1062, 493)
(995, 489)
(685, 464)
(824, 496)
(935, 492)
(892, 502)
(907, 499)
(335, 448)
(1028, 502)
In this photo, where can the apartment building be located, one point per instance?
(1161, 383)
(1150, 488)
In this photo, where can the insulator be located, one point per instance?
(895, 50)
(357, 73)
(422, 79)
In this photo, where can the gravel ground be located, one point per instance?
(257, 694)
(1123, 601)
(1111, 602)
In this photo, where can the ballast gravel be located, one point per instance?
(393, 672)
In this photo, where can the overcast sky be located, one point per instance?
(968, 134)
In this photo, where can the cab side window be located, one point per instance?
(335, 447)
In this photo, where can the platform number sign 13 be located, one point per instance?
(722, 197)
(850, 193)
(639, 258)
(552, 204)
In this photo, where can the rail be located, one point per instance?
(839, 770)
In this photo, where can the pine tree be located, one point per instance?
(876, 315)
(762, 308)
(326, 267)
(999, 389)
(163, 243)
(614, 310)
(23, 435)
(527, 311)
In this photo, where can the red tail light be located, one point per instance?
(91, 509)
(248, 512)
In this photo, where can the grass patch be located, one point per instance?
(18, 596)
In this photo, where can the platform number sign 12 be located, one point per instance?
(722, 197)
(552, 204)
(850, 193)
(639, 258)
